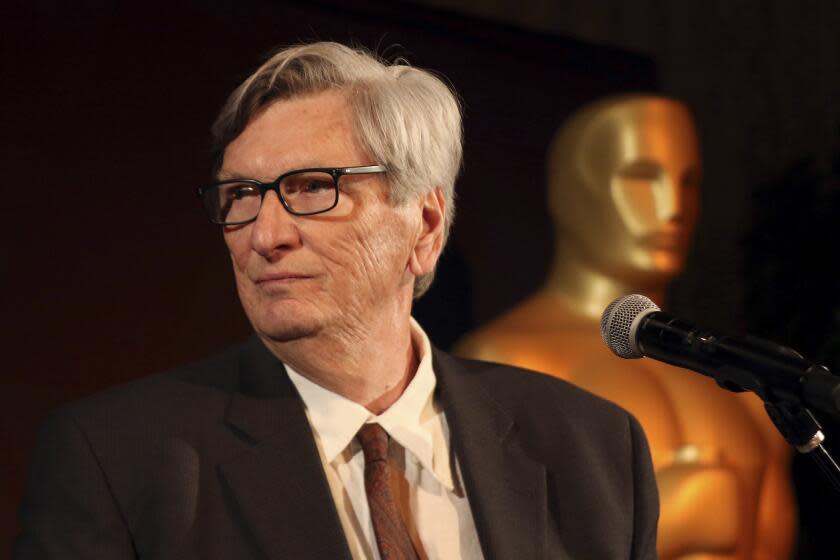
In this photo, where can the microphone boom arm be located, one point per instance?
(786, 382)
(772, 371)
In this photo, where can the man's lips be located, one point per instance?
(281, 278)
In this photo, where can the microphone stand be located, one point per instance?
(785, 404)
(780, 376)
(800, 429)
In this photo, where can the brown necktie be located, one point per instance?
(391, 535)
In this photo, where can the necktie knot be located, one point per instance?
(374, 441)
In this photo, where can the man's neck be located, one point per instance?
(371, 362)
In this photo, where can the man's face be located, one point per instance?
(298, 276)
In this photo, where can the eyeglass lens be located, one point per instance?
(307, 192)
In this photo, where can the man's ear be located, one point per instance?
(429, 242)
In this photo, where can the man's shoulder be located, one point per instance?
(172, 395)
(517, 389)
(555, 423)
(141, 447)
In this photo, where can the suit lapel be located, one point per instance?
(282, 493)
(506, 488)
(279, 484)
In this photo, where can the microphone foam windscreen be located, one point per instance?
(617, 322)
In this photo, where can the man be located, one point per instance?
(337, 431)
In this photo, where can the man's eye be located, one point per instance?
(240, 192)
(316, 186)
(315, 183)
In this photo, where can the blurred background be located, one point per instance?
(112, 271)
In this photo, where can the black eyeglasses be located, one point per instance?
(303, 192)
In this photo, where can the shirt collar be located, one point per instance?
(415, 421)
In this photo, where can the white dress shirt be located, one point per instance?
(428, 480)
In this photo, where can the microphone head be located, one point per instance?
(619, 322)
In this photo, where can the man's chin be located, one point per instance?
(286, 320)
(287, 331)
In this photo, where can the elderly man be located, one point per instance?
(338, 431)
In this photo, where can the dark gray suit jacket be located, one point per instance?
(217, 460)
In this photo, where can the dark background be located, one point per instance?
(111, 271)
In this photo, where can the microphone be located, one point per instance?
(633, 326)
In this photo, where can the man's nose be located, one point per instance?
(275, 230)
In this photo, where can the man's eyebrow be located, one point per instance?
(224, 175)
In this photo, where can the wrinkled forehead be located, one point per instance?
(314, 130)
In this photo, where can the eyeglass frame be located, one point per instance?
(335, 172)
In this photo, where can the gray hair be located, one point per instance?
(407, 118)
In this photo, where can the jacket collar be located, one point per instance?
(506, 488)
(279, 484)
